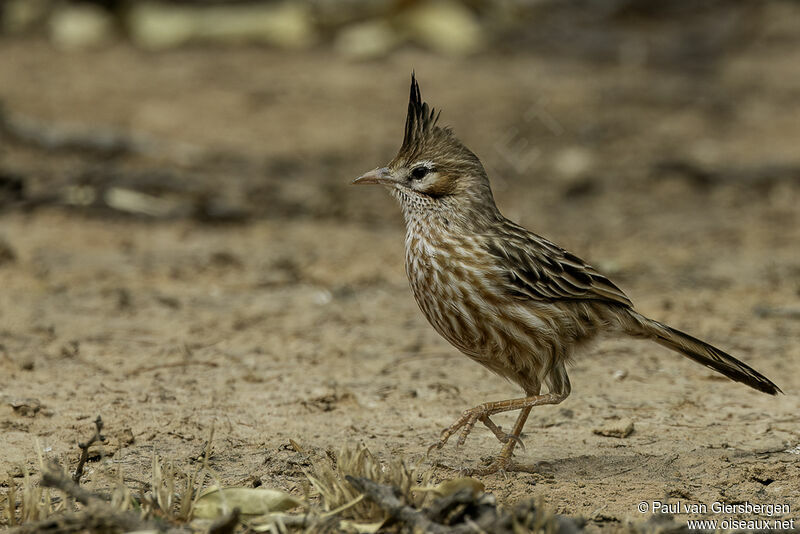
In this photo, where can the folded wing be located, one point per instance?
(534, 268)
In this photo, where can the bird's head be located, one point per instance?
(433, 168)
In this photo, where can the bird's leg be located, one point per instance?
(467, 421)
(503, 437)
(501, 463)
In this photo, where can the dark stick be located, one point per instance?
(388, 499)
(54, 477)
(97, 515)
(227, 524)
(98, 423)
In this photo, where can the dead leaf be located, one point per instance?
(214, 502)
(361, 528)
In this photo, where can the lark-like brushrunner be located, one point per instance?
(507, 298)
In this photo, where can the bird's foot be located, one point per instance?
(465, 423)
(498, 465)
(503, 437)
(501, 465)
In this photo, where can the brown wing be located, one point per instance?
(534, 268)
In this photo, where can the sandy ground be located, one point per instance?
(295, 321)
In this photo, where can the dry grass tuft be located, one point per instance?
(170, 494)
(354, 492)
(35, 502)
(329, 480)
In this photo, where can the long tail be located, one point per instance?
(638, 325)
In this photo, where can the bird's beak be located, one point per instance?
(376, 176)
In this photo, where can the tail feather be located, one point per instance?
(699, 351)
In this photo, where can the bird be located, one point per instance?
(507, 298)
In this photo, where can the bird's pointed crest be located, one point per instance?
(421, 118)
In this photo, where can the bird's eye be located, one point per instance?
(418, 173)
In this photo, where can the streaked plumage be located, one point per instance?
(506, 297)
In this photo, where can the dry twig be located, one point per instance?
(98, 423)
(227, 524)
(388, 498)
(98, 516)
(54, 477)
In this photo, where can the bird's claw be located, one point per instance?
(499, 465)
(502, 437)
(468, 426)
(437, 445)
(465, 423)
(511, 437)
(503, 466)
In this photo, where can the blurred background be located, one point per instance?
(223, 109)
(179, 243)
